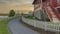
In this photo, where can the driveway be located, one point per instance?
(17, 27)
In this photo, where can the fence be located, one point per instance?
(54, 27)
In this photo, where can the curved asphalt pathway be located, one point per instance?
(16, 27)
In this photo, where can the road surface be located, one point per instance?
(16, 27)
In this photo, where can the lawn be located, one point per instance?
(4, 27)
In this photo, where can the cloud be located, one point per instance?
(15, 2)
(6, 5)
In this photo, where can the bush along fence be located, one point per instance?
(53, 27)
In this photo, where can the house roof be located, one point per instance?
(34, 1)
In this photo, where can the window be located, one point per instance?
(58, 10)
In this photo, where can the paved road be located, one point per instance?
(16, 27)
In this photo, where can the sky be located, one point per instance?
(7, 5)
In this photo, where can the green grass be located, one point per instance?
(4, 27)
(29, 17)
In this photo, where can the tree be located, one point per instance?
(11, 13)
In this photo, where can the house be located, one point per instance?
(47, 10)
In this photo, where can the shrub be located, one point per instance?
(11, 13)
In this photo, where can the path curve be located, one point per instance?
(16, 27)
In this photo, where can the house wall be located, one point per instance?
(37, 9)
(37, 14)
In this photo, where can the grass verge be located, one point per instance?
(4, 27)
